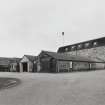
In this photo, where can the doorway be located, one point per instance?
(25, 67)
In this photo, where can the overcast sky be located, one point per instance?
(29, 26)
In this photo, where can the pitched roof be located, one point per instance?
(15, 60)
(100, 41)
(67, 57)
(6, 61)
(31, 57)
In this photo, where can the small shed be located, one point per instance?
(60, 62)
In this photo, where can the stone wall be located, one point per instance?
(30, 66)
(63, 66)
(69, 66)
(80, 66)
(13, 67)
(95, 53)
(98, 66)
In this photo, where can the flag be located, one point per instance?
(62, 33)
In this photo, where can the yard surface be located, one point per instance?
(80, 88)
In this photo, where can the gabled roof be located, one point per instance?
(31, 57)
(15, 60)
(6, 61)
(67, 57)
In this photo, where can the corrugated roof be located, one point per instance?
(62, 56)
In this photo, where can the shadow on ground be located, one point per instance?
(8, 82)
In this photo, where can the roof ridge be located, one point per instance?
(30, 55)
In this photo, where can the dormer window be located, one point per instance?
(80, 45)
(66, 49)
(95, 44)
(86, 44)
(73, 47)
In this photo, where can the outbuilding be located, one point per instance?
(4, 64)
(28, 63)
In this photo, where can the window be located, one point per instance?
(66, 49)
(80, 45)
(95, 44)
(71, 64)
(86, 44)
(73, 47)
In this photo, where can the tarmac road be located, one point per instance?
(82, 88)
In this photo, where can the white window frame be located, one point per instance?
(94, 43)
(80, 45)
(87, 44)
(71, 64)
(73, 47)
(66, 49)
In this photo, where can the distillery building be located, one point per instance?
(62, 62)
(87, 55)
(92, 49)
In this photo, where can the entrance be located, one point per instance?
(25, 67)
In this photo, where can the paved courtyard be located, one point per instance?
(80, 88)
(8, 82)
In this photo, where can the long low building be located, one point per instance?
(9, 64)
(92, 49)
(88, 55)
(4, 64)
(25, 64)
(59, 62)
(48, 61)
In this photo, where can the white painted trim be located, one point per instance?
(21, 67)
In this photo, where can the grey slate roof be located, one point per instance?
(67, 57)
(31, 57)
(100, 41)
(6, 61)
(15, 60)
